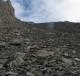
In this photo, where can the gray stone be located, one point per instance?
(67, 61)
(3, 44)
(29, 74)
(77, 59)
(44, 53)
(11, 73)
(16, 42)
(1, 66)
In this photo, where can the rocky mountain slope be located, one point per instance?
(43, 49)
(59, 26)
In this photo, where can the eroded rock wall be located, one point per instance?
(6, 12)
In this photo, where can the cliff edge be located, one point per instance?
(6, 12)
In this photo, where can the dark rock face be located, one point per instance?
(44, 49)
(59, 26)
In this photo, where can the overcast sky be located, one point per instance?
(47, 10)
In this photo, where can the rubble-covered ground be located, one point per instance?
(30, 51)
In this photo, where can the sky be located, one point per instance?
(39, 11)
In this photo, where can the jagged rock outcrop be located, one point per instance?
(6, 12)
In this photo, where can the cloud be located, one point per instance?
(47, 10)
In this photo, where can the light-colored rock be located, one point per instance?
(17, 40)
(19, 58)
(77, 59)
(11, 73)
(67, 61)
(21, 54)
(66, 54)
(16, 60)
(73, 51)
(2, 43)
(44, 53)
(1, 65)
(29, 74)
